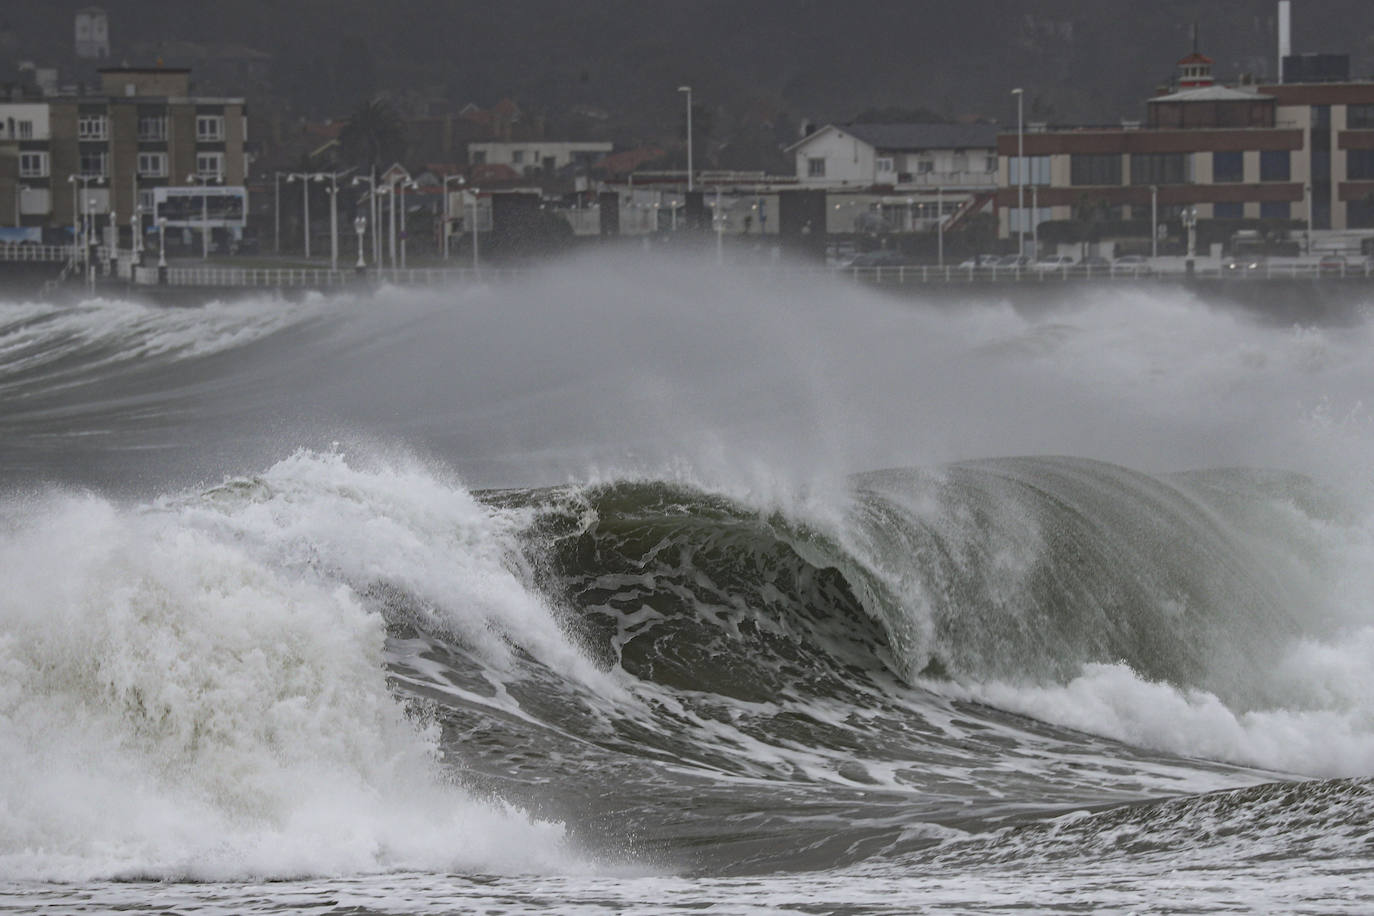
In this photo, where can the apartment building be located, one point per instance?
(141, 136)
(1302, 149)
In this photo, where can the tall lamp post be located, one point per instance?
(688, 91)
(305, 178)
(1020, 170)
(360, 227)
(1154, 221)
(79, 184)
(405, 183)
(204, 181)
(91, 241)
(460, 181)
(374, 212)
(136, 228)
(162, 250)
(476, 264)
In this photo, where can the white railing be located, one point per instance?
(1031, 274)
(310, 278)
(27, 251)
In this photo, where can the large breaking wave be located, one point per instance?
(723, 642)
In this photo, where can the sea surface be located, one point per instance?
(640, 586)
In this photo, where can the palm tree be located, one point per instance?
(374, 136)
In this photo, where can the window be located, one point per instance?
(33, 165)
(93, 165)
(91, 127)
(25, 130)
(1359, 164)
(147, 200)
(152, 165)
(1274, 209)
(815, 167)
(152, 127)
(990, 165)
(479, 157)
(1037, 170)
(209, 127)
(925, 166)
(1161, 168)
(1359, 214)
(1025, 219)
(1228, 211)
(1274, 165)
(517, 156)
(210, 165)
(1359, 117)
(884, 163)
(1095, 169)
(1228, 167)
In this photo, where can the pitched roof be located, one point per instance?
(1212, 94)
(918, 136)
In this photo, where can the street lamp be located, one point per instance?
(1154, 221)
(162, 250)
(688, 91)
(136, 228)
(204, 181)
(305, 179)
(460, 181)
(1020, 170)
(78, 224)
(360, 227)
(374, 212)
(476, 264)
(91, 241)
(405, 183)
(940, 224)
(1190, 223)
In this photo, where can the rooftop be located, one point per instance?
(1212, 94)
(919, 136)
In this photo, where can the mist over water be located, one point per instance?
(646, 565)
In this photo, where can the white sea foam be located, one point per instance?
(174, 702)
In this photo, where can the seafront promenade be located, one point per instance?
(102, 270)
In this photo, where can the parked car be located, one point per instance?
(882, 258)
(1333, 264)
(1094, 263)
(1054, 263)
(1246, 263)
(1014, 260)
(1135, 264)
(979, 261)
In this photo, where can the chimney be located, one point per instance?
(1285, 33)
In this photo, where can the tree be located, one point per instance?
(374, 135)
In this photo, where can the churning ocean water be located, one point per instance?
(636, 586)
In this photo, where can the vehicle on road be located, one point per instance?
(1014, 260)
(979, 261)
(1133, 265)
(882, 258)
(1054, 263)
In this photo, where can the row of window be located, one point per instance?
(1026, 219)
(815, 165)
(209, 128)
(1173, 168)
(96, 165)
(12, 129)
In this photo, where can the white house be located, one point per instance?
(92, 33)
(534, 157)
(927, 156)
